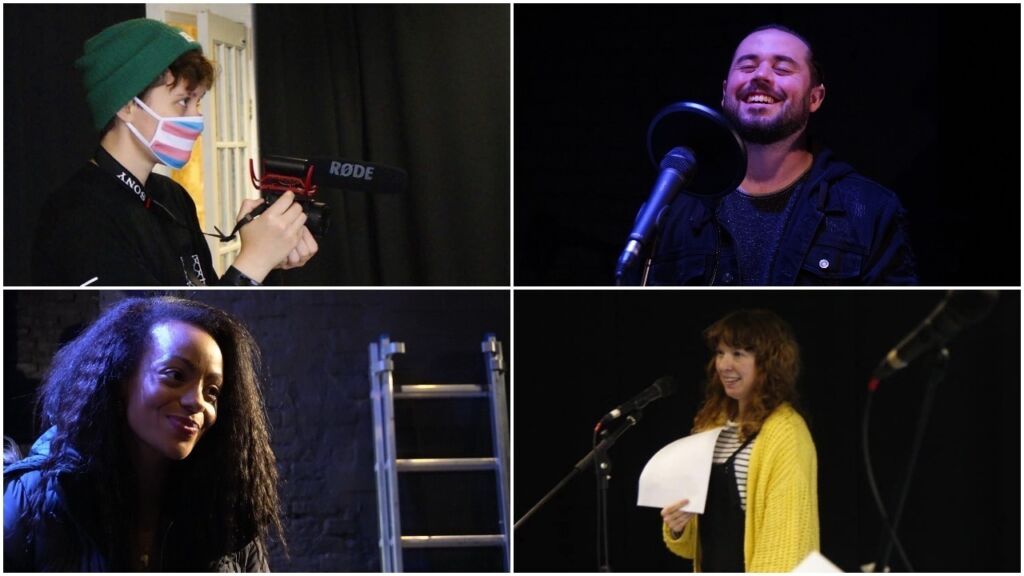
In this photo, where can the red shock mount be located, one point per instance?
(282, 183)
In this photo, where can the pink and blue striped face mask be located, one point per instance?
(174, 137)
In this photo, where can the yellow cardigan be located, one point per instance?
(781, 526)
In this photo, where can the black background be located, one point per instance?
(581, 354)
(922, 99)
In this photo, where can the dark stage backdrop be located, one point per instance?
(422, 87)
(905, 106)
(48, 133)
(425, 88)
(581, 354)
(315, 348)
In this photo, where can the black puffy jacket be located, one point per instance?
(66, 538)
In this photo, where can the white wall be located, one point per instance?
(237, 12)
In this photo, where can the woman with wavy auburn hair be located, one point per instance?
(761, 512)
(156, 455)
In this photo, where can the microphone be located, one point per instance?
(956, 311)
(662, 387)
(342, 174)
(677, 135)
(677, 170)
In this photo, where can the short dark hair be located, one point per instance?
(192, 67)
(817, 73)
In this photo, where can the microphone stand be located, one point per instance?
(648, 261)
(620, 270)
(647, 270)
(937, 374)
(599, 453)
(603, 472)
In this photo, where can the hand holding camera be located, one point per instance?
(285, 178)
(277, 239)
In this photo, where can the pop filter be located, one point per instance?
(719, 151)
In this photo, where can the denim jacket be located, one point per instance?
(843, 230)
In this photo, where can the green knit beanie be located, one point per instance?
(121, 61)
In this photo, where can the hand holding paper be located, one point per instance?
(680, 470)
(674, 516)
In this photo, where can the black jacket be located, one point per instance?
(843, 230)
(67, 538)
(95, 227)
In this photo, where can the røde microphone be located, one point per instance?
(677, 170)
(662, 387)
(342, 174)
(957, 310)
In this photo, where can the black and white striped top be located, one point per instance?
(728, 442)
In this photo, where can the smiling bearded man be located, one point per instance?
(799, 217)
(773, 87)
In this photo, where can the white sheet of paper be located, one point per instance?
(680, 470)
(815, 562)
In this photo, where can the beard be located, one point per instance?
(768, 129)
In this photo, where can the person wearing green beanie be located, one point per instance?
(116, 222)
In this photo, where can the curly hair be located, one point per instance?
(227, 486)
(191, 67)
(777, 361)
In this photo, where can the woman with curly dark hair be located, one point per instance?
(156, 454)
(761, 512)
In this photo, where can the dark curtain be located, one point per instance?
(425, 88)
(48, 133)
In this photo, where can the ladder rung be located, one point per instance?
(416, 391)
(444, 464)
(452, 541)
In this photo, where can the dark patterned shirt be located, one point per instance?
(756, 224)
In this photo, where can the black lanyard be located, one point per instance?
(108, 164)
(111, 166)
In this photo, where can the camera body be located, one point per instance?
(291, 174)
(318, 214)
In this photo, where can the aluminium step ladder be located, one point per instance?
(383, 394)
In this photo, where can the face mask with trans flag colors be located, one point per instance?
(174, 137)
